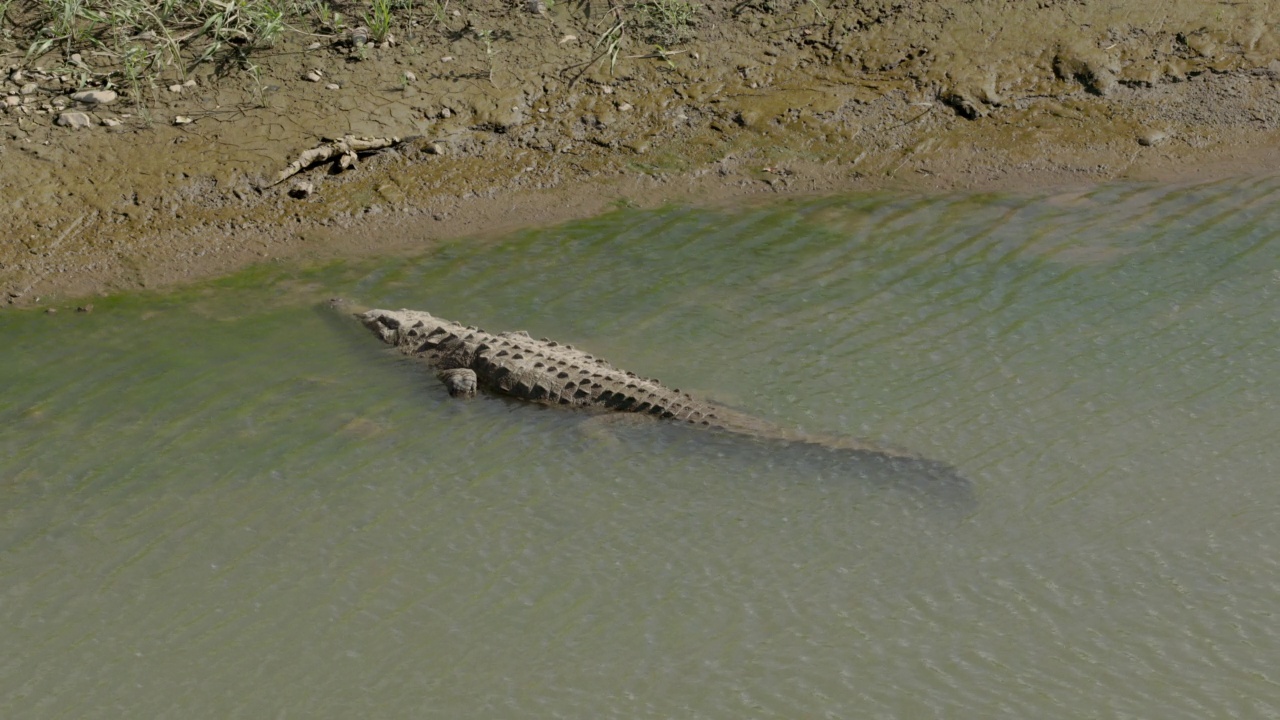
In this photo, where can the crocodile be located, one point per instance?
(514, 364)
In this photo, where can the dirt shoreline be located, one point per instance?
(763, 99)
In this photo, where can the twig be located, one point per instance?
(345, 150)
(664, 54)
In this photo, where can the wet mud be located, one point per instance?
(512, 118)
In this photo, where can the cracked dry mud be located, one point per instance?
(767, 96)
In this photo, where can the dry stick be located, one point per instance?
(346, 148)
(663, 55)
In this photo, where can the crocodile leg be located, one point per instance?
(461, 382)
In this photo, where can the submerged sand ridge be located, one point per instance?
(512, 117)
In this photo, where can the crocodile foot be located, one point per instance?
(460, 382)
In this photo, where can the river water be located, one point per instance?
(231, 503)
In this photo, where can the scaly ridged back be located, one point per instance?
(541, 371)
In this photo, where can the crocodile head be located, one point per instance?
(393, 326)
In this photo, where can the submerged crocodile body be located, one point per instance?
(543, 371)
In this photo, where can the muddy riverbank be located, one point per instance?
(512, 117)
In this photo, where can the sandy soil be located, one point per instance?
(511, 118)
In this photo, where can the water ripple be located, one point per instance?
(223, 511)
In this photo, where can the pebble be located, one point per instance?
(12, 101)
(175, 88)
(182, 120)
(301, 189)
(447, 58)
(74, 120)
(95, 97)
(1152, 137)
(409, 76)
(314, 46)
(436, 148)
(624, 107)
(110, 122)
(312, 76)
(333, 86)
(29, 89)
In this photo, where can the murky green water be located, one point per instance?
(231, 504)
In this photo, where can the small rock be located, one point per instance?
(12, 101)
(409, 76)
(333, 86)
(51, 311)
(190, 83)
(1152, 137)
(17, 76)
(436, 148)
(29, 89)
(87, 308)
(76, 59)
(606, 89)
(74, 120)
(446, 113)
(182, 120)
(175, 88)
(312, 76)
(314, 46)
(95, 97)
(447, 58)
(110, 122)
(301, 189)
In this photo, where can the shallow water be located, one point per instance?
(231, 503)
